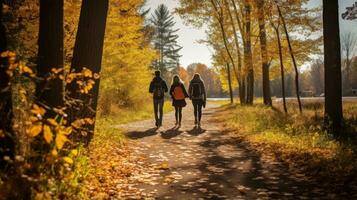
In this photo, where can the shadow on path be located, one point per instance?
(196, 131)
(170, 133)
(141, 134)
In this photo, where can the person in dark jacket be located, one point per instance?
(178, 94)
(158, 88)
(197, 93)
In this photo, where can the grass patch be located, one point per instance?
(298, 139)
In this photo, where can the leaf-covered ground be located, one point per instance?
(189, 163)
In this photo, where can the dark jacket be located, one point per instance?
(202, 85)
(156, 80)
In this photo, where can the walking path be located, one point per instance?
(207, 163)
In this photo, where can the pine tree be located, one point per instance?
(165, 40)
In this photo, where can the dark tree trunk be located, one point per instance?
(292, 57)
(87, 53)
(248, 54)
(6, 114)
(264, 54)
(50, 53)
(229, 82)
(281, 68)
(332, 57)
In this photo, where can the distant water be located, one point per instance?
(218, 99)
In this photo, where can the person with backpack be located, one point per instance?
(197, 93)
(158, 88)
(178, 94)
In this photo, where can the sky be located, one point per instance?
(193, 52)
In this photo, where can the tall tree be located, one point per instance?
(264, 53)
(6, 114)
(229, 82)
(236, 42)
(50, 53)
(282, 73)
(349, 45)
(332, 59)
(165, 39)
(292, 57)
(248, 59)
(88, 50)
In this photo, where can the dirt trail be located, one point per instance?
(207, 163)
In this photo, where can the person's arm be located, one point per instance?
(184, 90)
(190, 90)
(204, 93)
(172, 91)
(165, 86)
(151, 88)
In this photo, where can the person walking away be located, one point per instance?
(197, 93)
(178, 94)
(158, 88)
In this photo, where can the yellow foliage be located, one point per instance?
(37, 110)
(68, 160)
(61, 139)
(35, 130)
(47, 134)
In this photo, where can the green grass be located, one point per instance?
(298, 139)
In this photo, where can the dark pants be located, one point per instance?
(197, 110)
(158, 109)
(178, 114)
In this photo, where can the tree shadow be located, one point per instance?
(196, 131)
(173, 132)
(242, 168)
(141, 134)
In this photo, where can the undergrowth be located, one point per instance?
(298, 139)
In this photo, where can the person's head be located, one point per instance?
(157, 73)
(176, 79)
(196, 77)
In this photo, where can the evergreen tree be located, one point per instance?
(165, 40)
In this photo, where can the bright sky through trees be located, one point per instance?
(194, 52)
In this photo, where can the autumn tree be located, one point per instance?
(88, 50)
(263, 52)
(332, 59)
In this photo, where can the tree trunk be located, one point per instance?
(292, 57)
(248, 54)
(239, 70)
(229, 82)
(88, 50)
(332, 57)
(220, 18)
(281, 68)
(242, 88)
(6, 114)
(50, 53)
(264, 54)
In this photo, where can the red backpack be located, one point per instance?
(178, 93)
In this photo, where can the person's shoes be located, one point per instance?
(176, 123)
(157, 124)
(199, 124)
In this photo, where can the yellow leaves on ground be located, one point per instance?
(164, 165)
(47, 134)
